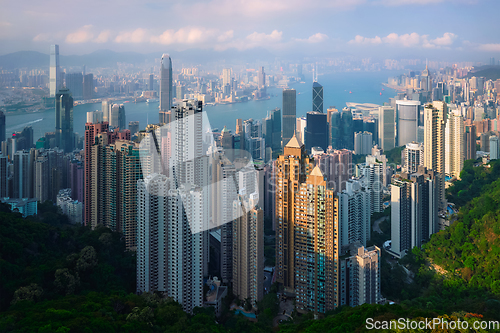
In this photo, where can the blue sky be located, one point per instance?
(444, 28)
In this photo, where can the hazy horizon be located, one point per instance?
(436, 29)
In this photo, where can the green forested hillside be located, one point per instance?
(470, 248)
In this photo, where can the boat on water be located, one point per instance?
(152, 100)
(380, 93)
(350, 92)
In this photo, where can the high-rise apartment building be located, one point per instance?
(91, 165)
(470, 142)
(166, 83)
(64, 120)
(4, 176)
(363, 143)
(414, 210)
(454, 144)
(336, 166)
(170, 253)
(494, 148)
(105, 110)
(291, 169)
(2, 128)
(360, 276)
(373, 172)
(354, 212)
(435, 117)
(248, 252)
(386, 128)
(173, 215)
(23, 168)
(55, 75)
(317, 101)
(413, 157)
(316, 245)
(289, 114)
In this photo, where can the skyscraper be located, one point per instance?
(4, 176)
(316, 131)
(54, 83)
(414, 210)
(166, 83)
(117, 116)
(354, 211)
(248, 252)
(105, 110)
(317, 101)
(291, 170)
(262, 78)
(435, 117)
(407, 123)
(470, 142)
(360, 276)
(413, 157)
(386, 128)
(172, 249)
(22, 171)
(494, 148)
(373, 172)
(363, 143)
(454, 144)
(2, 128)
(74, 82)
(289, 114)
(170, 255)
(316, 245)
(88, 86)
(64, 120)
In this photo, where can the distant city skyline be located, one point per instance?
(333, 26)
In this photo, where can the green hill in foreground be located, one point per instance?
(60, 278)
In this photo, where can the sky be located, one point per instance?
(465, 29)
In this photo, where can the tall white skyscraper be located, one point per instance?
(173, 211)
(454, 144)
(413, 156)
(55, 75)
(170, 253)
(373, 180)
(494, 147)
(165, 83)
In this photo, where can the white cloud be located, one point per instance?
(316, 38)
(103, 37)
(139, 35)
(82, 35)
(408, 40)
(262, 37)
(490, 47)
(226, 36)
(447, 39)
(5, 24)
(41, 37)
(255, 39)
(183, 36)
(365, 40)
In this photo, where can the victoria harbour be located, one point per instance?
(339, 88)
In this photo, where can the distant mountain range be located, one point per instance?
(108, 58)
(488, 72)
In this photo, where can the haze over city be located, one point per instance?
(250, 166)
